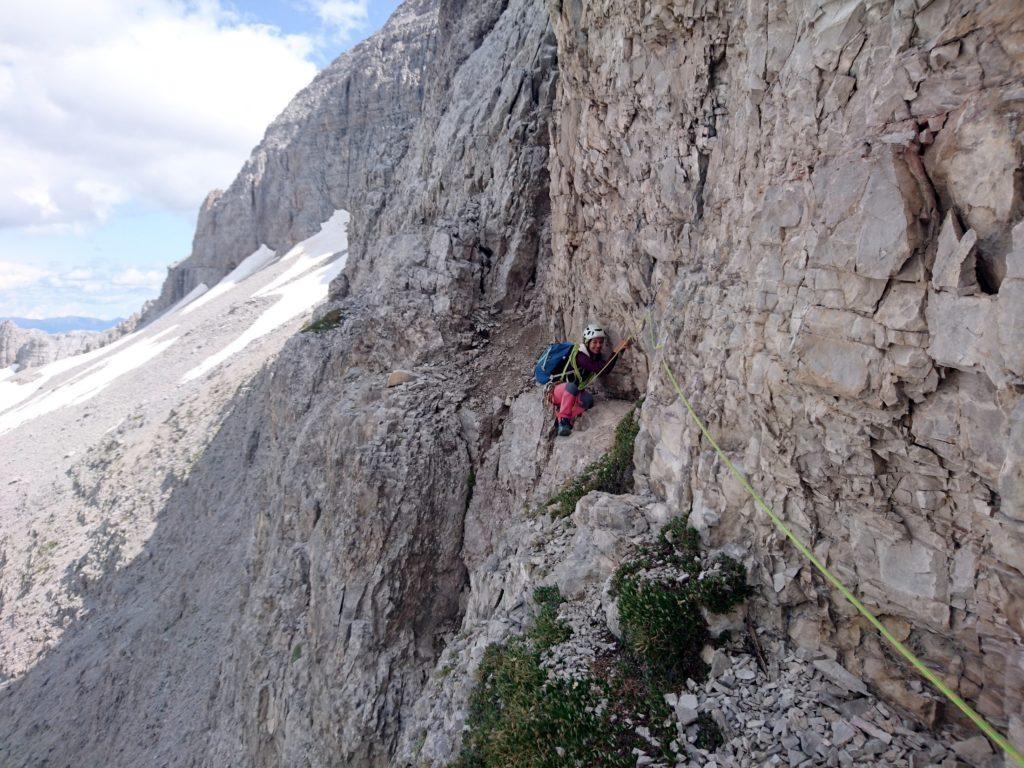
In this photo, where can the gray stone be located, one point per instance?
(955, 266)
(868, 219)
(961, 330)
(395, 378)
(873, 731)
(842, 733)
(686, 709)
(944, 54)
(840, 676)
(835, 366)
(974, 750)
(1011, 475)
(720, 662)
(1010, 323)
(902, 308)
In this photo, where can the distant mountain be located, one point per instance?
(64, 324)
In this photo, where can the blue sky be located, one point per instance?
(118, 116)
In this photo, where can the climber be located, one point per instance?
(582, 367)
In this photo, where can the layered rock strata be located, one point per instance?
(813, 211)
(30, 348)
(335, 146)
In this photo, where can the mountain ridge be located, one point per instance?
(64, 324)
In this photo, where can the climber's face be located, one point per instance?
(594, 346)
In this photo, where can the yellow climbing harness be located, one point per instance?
(585, 381)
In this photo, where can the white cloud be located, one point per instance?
(15, 275)
(136, 278)
(341, 17)
(103, 102)
(102, 290)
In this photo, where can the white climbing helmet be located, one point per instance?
(593, 331)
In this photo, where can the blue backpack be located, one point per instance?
(552, 361)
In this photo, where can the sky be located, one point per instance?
(117, 117)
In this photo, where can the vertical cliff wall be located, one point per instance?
(300, 584)
(816, 203)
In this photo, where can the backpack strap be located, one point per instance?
(573, 367)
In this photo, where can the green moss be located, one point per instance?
(612, 473)
(723, 590)
(709, 735)
(296, 653)
(547, 629)
(326, 322)
(661, 619)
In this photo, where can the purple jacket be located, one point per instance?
(588, 366)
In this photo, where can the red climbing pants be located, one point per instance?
(570, 402)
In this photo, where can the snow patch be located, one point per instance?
(330, 240)
(9, 371)
(318, 260)
(13, 392)
(189, 297)
(90, 382)
(250, 265)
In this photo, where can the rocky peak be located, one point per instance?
(31, 348)
(335, 146)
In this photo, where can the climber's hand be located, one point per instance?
(623, 346)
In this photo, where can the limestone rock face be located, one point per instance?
(354, 119)
(775, 194)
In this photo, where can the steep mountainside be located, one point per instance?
(334, 147)
(810, 212)
(817, 206)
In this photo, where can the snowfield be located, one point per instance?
(299, 281)
(90, 382)
(310, 267)
(88, 443)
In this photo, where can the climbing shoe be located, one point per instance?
(564, 427)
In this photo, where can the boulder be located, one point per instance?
(955, 267)
(396, 378)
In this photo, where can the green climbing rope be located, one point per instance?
(905, 652)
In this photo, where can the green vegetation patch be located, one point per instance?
(520, 716)
(520, 719)
(612, 473)
(326, 322)
(548, 630)
(660, 593)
